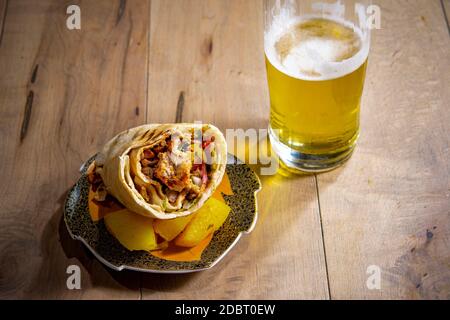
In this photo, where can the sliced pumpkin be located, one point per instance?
(133, 231)
(207, 219)
(169, 229)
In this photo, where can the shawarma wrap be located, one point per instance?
(161, 171)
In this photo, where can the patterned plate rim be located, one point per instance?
(180, 271)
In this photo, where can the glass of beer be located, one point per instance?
(316, 56)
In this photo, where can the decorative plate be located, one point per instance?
(241, 220)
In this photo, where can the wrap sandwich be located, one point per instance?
(161, 171)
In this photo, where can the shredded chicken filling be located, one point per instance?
(172, 174)
(180, 166)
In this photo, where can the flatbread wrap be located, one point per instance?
(161, 171)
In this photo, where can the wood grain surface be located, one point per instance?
(84, 86)
(199, 57)
(3, 7)
(390, 205)
(446, 12)
(63, 93)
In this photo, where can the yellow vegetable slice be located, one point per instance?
(169, 229)
(207, 219)
(134, 232)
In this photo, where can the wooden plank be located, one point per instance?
(211, 54)
(3, 10)
(80, 88)
(446, 12)
(214, 56)
(390, 205)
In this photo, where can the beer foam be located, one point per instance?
(296, 51)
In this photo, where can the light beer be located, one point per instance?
(315, 68)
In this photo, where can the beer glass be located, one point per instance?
(316, 55)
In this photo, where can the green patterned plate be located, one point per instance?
(241, 220)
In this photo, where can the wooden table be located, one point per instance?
(63, 93)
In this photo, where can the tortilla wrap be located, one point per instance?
(163, 171)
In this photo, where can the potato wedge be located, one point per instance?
(133, 231)
(207, 219)
(170, 229)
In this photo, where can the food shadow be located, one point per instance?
(129, 279)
